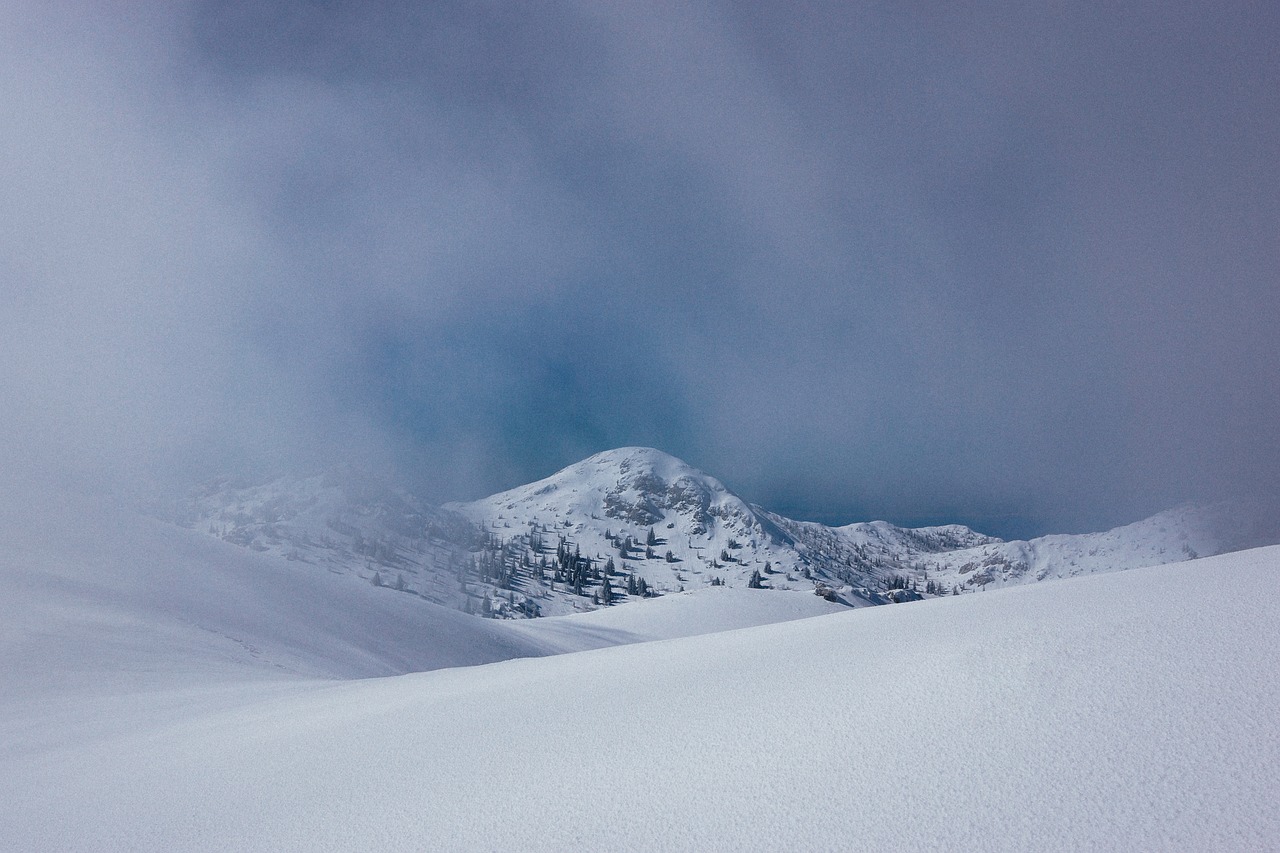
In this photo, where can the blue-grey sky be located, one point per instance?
(1015, 265)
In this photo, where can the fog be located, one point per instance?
(1008, 266)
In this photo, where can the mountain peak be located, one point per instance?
(638, 485)
(640, 459)
(639, 519)
(632, 452)
(653, 514)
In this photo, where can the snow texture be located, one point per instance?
(164, 691)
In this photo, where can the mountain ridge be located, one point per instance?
(628, 523)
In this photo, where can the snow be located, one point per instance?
(685, 614)
(164, 691)
(545, 549)
(704, 533)
(631, 490)
(93, 595)
(343, 522)
(1177, 534)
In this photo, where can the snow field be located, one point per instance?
(1125, 711)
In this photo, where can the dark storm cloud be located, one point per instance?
(1015, 266)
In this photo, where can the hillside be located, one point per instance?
(1105, 712)
(633, 523)
(95, 593)
(98, 596)
(652, 515)
(655, 517)
(1182, 533)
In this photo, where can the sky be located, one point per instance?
(1007, 264)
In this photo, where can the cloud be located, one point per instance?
(986, 263)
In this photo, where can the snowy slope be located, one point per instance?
(110, 619)
(714, 536)
(101, 596)
(345, 523)
(1107, 712)
(630, 523)
(98, 594)
(702, 532)
(682, 614)
(1182, 533)
(875, 558)
(597, 505)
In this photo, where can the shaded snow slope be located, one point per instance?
(97, 595)
(1109, 712)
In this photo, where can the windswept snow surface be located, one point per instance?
(1133, 710)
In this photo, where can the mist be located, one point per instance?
(1011, 267)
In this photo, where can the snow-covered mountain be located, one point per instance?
(655, 517)
(348, 523)
(165, 690)
(1182, 533)
(635, 522)
(609, 506)
(155, 699)
(650, 515)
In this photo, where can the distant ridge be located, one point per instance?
(633, 522)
